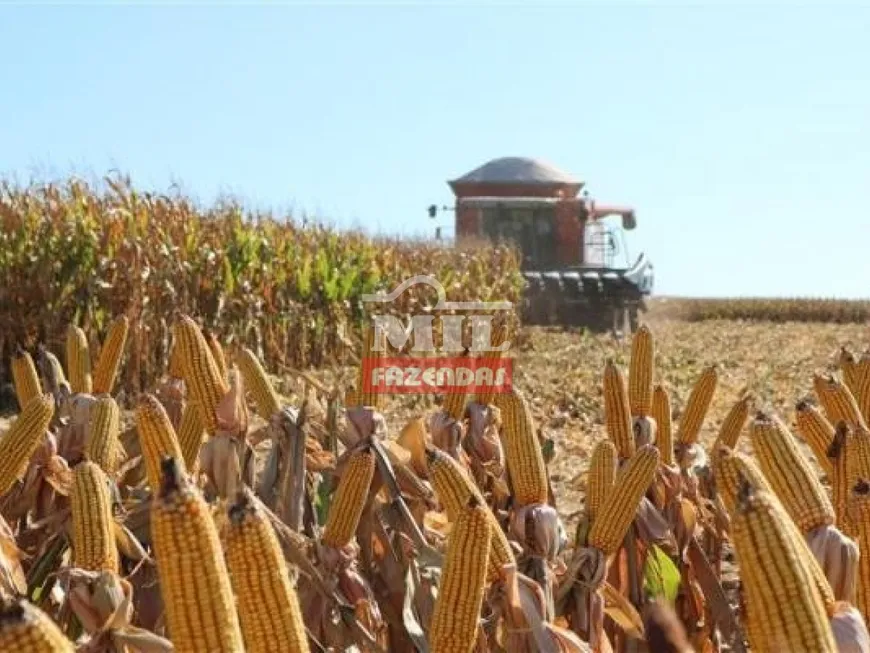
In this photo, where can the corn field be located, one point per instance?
(837, 311)
(73, 253)
(227, 517)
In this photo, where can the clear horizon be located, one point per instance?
(737, 133)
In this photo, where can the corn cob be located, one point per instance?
(789, 473)
(661, 413)
(371, 397)
(697, 405)
(620, 506)
(78, 361)
(176, 362)
(640, 375)
(94, 546)
(602, 471)
(269, 611)
(258, 384)
(202, 375)
(103, 445)
(350, 500)
(840, 454)
(24, 378)
(816, 431)
(862, 391)
(735, 420)
(156, 437)
(454, 486)
(785, 609)
(860, 455)
(617, 411)
(197, 595)
(23, 438)
(848, 365)
(859, 513)
(217, 351)
(456, 614)
(454, 404)
(109, 360)
(838, 402)
(525, 460)
(730, 467)
(190, 435)
(500, 334)
(24, 628)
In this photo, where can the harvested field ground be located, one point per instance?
(561, 373)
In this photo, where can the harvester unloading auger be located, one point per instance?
(570, 254)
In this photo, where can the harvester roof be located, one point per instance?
(517, 170)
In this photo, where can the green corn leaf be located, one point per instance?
(661, 578)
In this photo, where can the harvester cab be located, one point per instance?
(574, 255)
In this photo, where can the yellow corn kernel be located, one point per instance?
(838, 402)
(859, 454)
(661, 413)
(269, 611)
(198, 598)
(784, 607)
(862, 390)
(692, 417)
(24, 628)
(453, 486)
(840, 454)
(456, 615)
(859, 513)
(848, 364)
(349, 500)
(734, 422)
(190, 435)
(156, 437)
(23, 438)
(24, 378)
(94, 546)
(602, 472)
(500, 335)
(111, 353)
(176, 362)
(258, 384)
(640, 375)
(217, 351)
(202, 375)
(103, 445)
(789, 473)
(617, 411)
(454, 404)
(78, 361)
(369, 352)
(620, 506)
(730, 467)
(816, 431)
(525, 460)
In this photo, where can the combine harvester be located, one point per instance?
(569, 253)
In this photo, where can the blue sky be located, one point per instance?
(740, 134)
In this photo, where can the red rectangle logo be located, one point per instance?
(434, 375)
